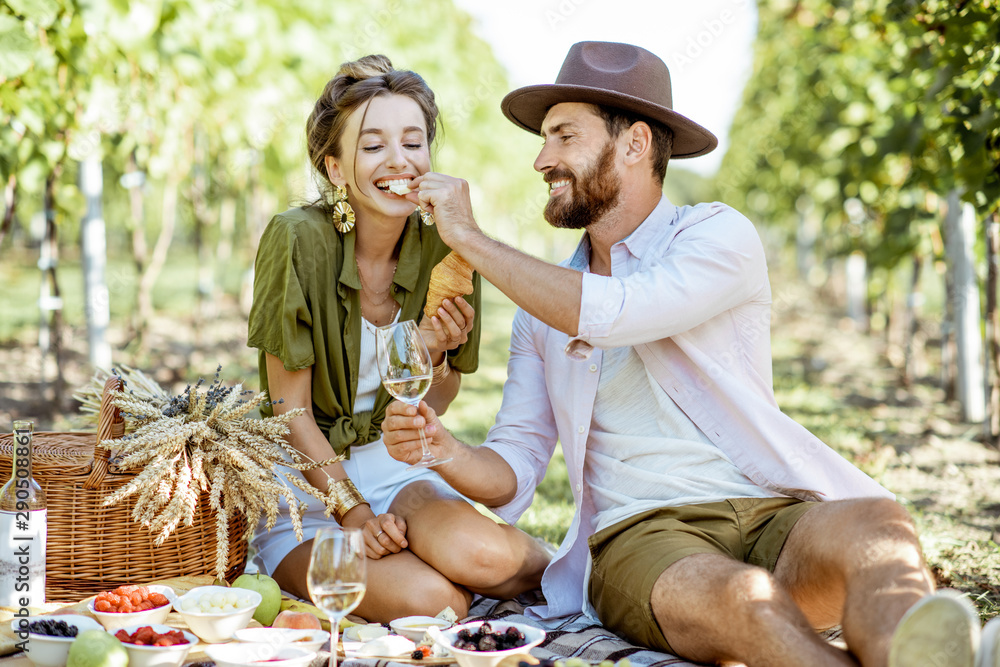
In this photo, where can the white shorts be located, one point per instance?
(378, 477)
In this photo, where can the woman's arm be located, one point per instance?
(295, 390)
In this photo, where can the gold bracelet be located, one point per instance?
(345, 496)
(441, 371)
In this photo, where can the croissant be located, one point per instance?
(450, 278)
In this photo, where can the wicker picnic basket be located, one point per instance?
(92, 548)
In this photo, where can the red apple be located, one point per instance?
(299, 620)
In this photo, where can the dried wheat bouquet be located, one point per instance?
(203, 440)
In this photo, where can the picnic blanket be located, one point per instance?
(567, 637)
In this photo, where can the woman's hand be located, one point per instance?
(449, 328)
(384, 535)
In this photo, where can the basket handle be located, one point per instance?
(110, 425)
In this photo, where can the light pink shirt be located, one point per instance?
(689, 290)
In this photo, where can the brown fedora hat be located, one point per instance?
(616, 75)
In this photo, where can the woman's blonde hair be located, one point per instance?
(356, 83)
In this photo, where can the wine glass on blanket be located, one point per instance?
(336, 577)
(405, 366)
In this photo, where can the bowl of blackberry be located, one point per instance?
(48, 637)
(487, 643)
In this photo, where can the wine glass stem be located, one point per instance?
(334, 639)
(424, 447)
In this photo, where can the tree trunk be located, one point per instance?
(224, 247)
(961, 235)
(10, 207)
(140, 250)
(913, 348)
(94, 250)
(991, 426)
(805, 237)
(50, 297)
(147, 280)
(856, 271)
(204, 308)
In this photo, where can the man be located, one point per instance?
(708, 523)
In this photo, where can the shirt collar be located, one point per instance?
(663, 215)
(408, 268)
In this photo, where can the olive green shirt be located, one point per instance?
(306, 313)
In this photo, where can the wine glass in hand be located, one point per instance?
(405, 366)
(336, 578)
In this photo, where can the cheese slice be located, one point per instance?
(399, 189)
(365, 633)
(448, 614)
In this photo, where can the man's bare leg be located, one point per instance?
(714, 609)
(855, 562)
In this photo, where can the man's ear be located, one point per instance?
(639, 139)
(333, 171)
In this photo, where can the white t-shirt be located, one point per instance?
(644, 453)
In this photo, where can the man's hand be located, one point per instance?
(401, 435)
(447, 199)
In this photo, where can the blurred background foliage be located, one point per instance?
(891, 104)
(860, 118)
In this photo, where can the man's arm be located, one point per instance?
(478, 473)
(548, 292)
(504, 471)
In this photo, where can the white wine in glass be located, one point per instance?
(405, 366)
(336, 577)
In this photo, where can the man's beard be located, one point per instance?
(595, 193)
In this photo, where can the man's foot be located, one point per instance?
(989, 647)
(941, 630)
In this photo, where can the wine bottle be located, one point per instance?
(23, 529)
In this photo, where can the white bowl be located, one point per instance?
(214, 627)
(114, 620)
(252, 655)
(46, 651)
(415, 627)
(310, 640)
(156, 656)
(533, 637)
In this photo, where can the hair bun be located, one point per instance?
(365, 68)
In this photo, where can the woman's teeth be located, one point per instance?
(397, 187)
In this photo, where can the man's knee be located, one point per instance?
(880, 534)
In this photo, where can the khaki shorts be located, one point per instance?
(631, 555)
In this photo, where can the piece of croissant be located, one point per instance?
(450, 278)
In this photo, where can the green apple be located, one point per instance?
(96, 648)
(269, 591)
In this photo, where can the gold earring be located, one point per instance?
(343, 214)
(426, 217)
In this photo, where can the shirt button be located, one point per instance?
(578, 488)
(593, 368)
(580, 429)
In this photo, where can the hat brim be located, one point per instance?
(526, 107)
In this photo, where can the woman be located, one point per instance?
(326, 276)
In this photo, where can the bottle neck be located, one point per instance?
(23, 437)
(22, 493)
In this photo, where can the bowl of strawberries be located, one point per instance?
(132, 605)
